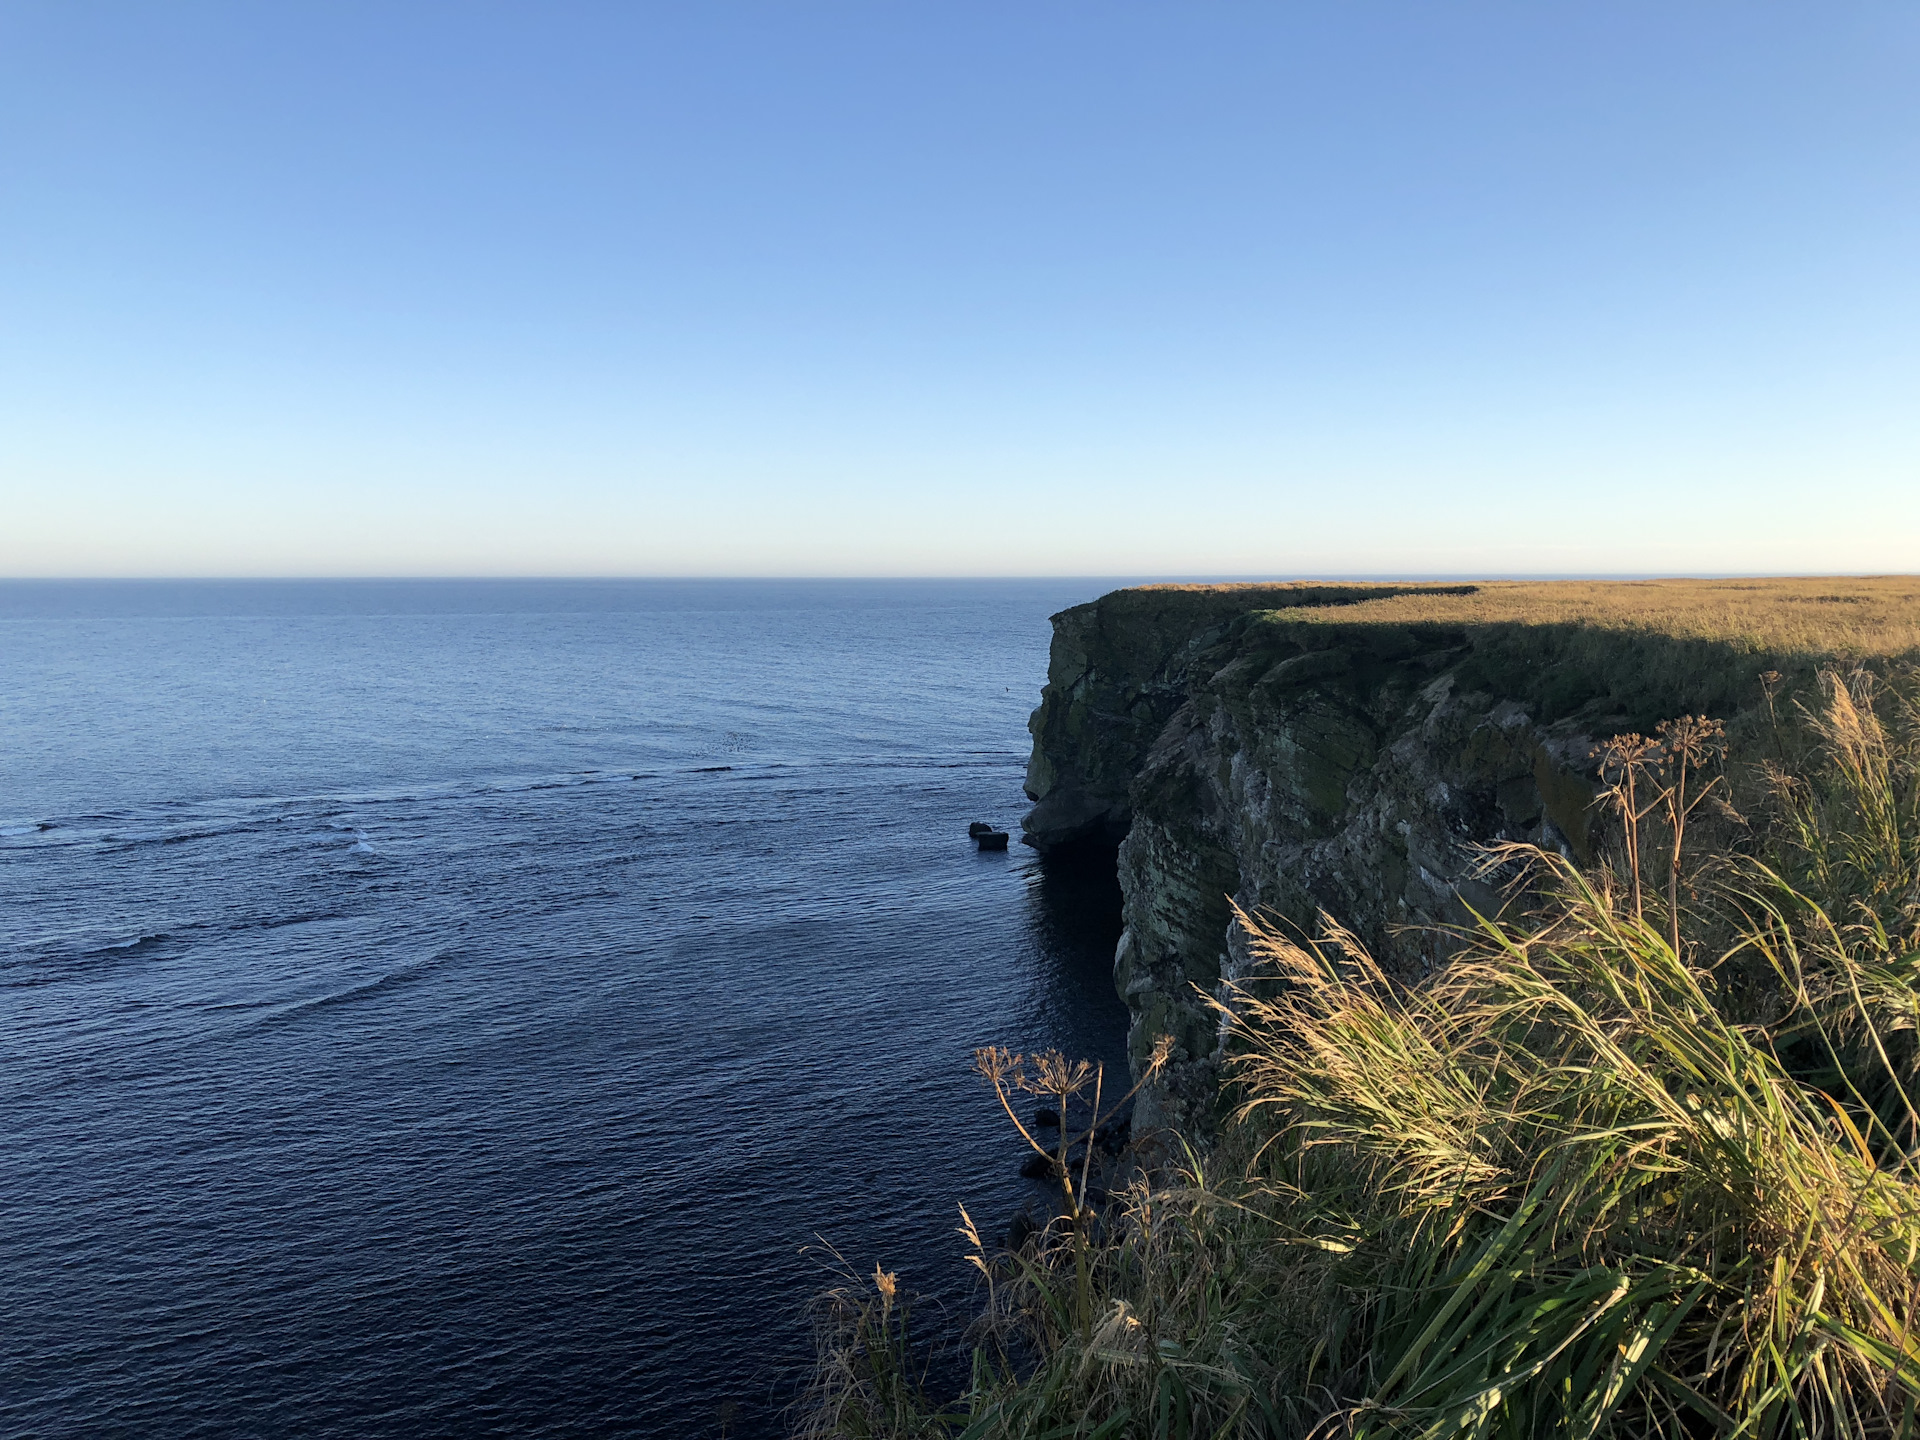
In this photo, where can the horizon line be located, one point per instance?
(1123, 576)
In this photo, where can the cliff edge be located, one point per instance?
(1348, 748)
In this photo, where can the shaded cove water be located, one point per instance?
(448, 1008)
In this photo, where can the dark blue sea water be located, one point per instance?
(449, 1008)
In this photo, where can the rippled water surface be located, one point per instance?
(450, 1007)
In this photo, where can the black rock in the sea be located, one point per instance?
(977, 829)
(992, 840)
(1047, 1117)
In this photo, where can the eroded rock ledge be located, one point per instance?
(1251, 744)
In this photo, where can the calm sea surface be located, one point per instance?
(449, 1008)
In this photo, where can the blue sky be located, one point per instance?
(959, 289)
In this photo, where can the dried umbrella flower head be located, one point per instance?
(1668, 767)
(1693, 740)
(1622, 755)
(1622, 759)
(999, 1067)
(1056, 1075)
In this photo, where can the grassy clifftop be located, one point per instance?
(1852, 618)
(1618, 654)
(1846, 617)
(1603, 656)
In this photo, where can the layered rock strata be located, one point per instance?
(1233, 754)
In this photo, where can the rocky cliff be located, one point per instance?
(1303, 748)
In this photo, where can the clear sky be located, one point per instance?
(959, 288)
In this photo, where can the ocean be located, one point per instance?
(475, 1007)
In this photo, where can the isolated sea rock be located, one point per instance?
(1229, 754)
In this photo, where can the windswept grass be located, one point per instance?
(870, 1377)
(1851, 824)
(1586, 1181)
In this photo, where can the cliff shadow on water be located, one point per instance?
(1075, 898)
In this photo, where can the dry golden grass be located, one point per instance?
(1857, 618)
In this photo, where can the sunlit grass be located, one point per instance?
(1847, 617)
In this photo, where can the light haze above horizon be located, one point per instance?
(868, 290)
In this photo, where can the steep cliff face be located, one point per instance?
(1119, 670)
(1234, 752)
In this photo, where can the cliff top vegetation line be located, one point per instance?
(1851, 617)
(1598, 657)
